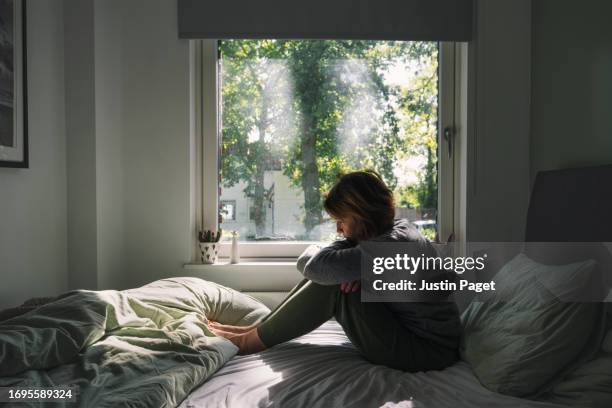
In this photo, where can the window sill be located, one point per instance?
(247, 265)
(266, 275)
(259, 251)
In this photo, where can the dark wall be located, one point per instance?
(571, 104)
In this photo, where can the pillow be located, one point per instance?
(588, 386)
(217, 302)
(523, 339)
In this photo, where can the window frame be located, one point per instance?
(205, 129)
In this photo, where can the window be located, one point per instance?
(291, 115)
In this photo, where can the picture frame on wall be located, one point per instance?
(13, 90)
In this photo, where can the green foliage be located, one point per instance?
(429, 233)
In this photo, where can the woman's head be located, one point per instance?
(362, 205)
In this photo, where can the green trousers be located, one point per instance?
(372, 327)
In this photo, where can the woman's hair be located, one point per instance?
(364, 197)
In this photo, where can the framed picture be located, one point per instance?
(13, 94)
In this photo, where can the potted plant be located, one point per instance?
(209, 245)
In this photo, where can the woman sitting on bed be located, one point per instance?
(408, 336)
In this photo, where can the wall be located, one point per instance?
(108, 57)
(33, 242)
(496, 152)
(156, 142)
(571, 102)
(127, 102)
(81, 143)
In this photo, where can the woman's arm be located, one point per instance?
(307, 255)
(334, 264)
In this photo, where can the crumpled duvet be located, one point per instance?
(144, 347)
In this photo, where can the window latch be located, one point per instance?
(448, 138)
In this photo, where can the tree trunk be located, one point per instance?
(308, 82)
(259, 191)
(259, 202)
(310, 178)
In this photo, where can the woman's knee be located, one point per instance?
(322, 291)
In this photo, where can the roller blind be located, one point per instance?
(416, 20)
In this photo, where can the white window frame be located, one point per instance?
(204, 127)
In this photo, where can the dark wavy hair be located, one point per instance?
(364, 197)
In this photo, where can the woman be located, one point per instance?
(408, 336)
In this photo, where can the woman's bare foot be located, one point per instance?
(247, 343)
(229, 328)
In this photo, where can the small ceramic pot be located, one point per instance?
(209, 252)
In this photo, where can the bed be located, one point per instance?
(322, 369)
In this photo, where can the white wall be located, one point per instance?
(81, 143)
(128, 142)
(156, 90)
(497, 149)
(108, 57)
(572, 84)
(33, 243)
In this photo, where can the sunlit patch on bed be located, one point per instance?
(322, 369)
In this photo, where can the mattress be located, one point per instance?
(322, 369)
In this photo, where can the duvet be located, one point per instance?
(144, 347)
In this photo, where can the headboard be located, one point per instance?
(573, 205)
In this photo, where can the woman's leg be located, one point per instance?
(371, 327)
(243, 329)
(382, 339)
(307, 306)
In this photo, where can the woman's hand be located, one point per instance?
(348, 287)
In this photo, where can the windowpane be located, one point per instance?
(297, 113)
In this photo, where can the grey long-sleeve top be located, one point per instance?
(341, 262)
(336, 263)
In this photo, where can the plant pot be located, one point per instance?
(209, 252)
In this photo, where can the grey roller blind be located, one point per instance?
(425, 20)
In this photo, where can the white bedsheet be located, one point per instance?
(322, 369)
